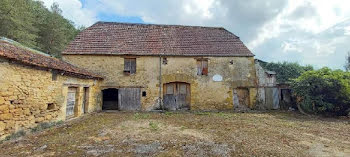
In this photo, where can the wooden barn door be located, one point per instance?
(129, 99)
(176, 96)
(71, 100)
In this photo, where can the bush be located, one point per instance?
(323, 91)
(45, 125)
(15, 135)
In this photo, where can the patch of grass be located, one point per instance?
(123, 127)
(45, 125)
(224, 115)
(153, 126)
(15, 135)
(182, 128)
(167, 113)
(202, 113)
(141, 116)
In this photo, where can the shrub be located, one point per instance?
(45, 125)
(15, 135)
(323, 91)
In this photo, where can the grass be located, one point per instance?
(153, 126)
(15, 135)
(38, 128)
(188, 134)
(141, 115)
(202, 113)
(45, 125)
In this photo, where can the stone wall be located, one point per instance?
(206, 94)
(29, 96)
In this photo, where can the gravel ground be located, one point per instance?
(188, 134)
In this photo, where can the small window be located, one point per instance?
(165, 61)
(50, 106)
(144, 93)
(129, 66)
(202, 67)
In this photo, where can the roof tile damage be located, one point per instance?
(14, 51)
(111, 38)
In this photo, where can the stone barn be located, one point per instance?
(271, 93)
(37, 88)
(149, 67)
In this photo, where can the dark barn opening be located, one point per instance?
(110, 99)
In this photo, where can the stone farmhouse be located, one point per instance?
(149, 67)
(128, 67)
(36, 88)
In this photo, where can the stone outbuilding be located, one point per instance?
(149, 67)
(37, 88)
(271, 93)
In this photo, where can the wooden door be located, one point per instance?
(71, 99)
(85, 100)
(129, 99)
(243, 97)
(272, 98)
(176, 96)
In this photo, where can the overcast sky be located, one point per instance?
(315, 32)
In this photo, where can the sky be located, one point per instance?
(315, 32)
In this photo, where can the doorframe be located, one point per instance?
(86, 98)
(76, 101)
(103, 101)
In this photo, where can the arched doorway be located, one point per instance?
(110, 99)
(176, 96)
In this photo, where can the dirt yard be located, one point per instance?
(188, 134)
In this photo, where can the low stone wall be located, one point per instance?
(30, 96)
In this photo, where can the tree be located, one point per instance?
(55, 32)
(17, 21)
(32, 24)
(323, 91)
(287, 71)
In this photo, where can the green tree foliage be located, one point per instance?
(55, 32)
(286, 70)
(17, 21)
(32, 24)
(323, 91)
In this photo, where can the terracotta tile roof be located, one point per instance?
(14, 51)
(148, 39)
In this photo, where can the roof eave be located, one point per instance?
(163, 54)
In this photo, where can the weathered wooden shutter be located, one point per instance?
(130, 65)
(199, 67)
(204, 67)
(133, 66)
(127, 65)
